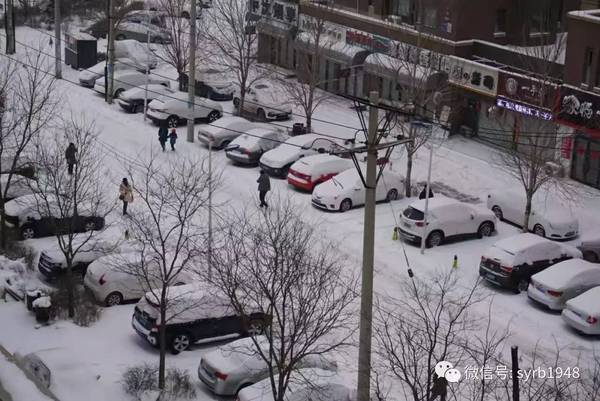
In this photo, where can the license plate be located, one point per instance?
(407, 225)
(490, 276)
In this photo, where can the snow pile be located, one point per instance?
(42, 302)
(14, 381)
(12, 275)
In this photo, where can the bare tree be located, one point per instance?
(276, 262)
(231, 44)
(167, 226)
(304, 92)
(28, 106)
(74, 203)
(176, 52)
(428, 322)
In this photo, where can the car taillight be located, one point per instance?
(300, 175)
(155, 328)
(592, 320)
(246, 152)
(507, 269)
(555, 293)
(420, 224)
(102, 281)
(220, 375)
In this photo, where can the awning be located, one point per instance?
(335, 50)
(404, 72)
(279, 30)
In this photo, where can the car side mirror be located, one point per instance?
(472, 216)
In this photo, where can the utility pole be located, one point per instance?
(10, 27)
(57, 41)
(426, 211)
(210, 176)
(514, 354)
(366, 299)
(111, 52)
(147, 63)
(192, 73)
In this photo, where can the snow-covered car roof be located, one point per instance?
(138, 92)
(434, 203)
(224, 124)
(520, 242)
(587, 302)
(252, 137)
(560, 274)
(30, 205)
(304, 385)
(308, 163)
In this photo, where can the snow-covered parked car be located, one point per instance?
(309, 171)
(590, 247)
(222, 132)
(276, 162)
(583, 312)
(238, 364)
(132, 100)
(115, 278)
(124, 80)
(248, 148)
(173, 109)
(140, 53)
(511, 262)
(563, 281)
(549, 218)
(19, 186)
(23, 213)
(446, 218)
(198, 313)
(262, 100)
(303, 385)
(346, 190)
(214, 83)
(89, 76)
(52, 261)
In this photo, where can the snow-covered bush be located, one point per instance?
(141, 380)
(12, 275)
(86, 309)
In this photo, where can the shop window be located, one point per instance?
(500, 27)
(587, 65)
(430, 17)
(403, 9)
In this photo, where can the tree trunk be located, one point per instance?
(180, 80)
(162, 341)
(527, 212)
(3, 228)
(409, 163)
(308, 123)
(70, 295)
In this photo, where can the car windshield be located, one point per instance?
(261, 86)
(413, 214)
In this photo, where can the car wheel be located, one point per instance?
(486, 229)
(539, 230)
(391, 195)
(434, 239)
(236, 102)
(138, 108)
(27, 232)
(89, 225)
(498, 212)
(120, 37)
(522, 286)
(345, 205)
(255, 328)
(260, 115)
(114, 298)
(213, 116)
(242, 387)
(224, 144)
(118, 92)
(172, 121)
(180, 342)
(590, 256)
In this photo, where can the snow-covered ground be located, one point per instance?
(88, 362)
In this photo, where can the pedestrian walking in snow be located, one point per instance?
(173, 138)
(264, 186)
(71, 156)
(163, 135)
(125, 194)
(423, 193)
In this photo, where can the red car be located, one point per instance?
(309, 171)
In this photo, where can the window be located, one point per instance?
(500, 26)
(403, 9)
(587, 65)
(598, 73)
(430, 17)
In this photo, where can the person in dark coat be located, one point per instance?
(173, 138)
(163, 134)
(71, 156)
(423, 193)
(440, 388)
(264, 186)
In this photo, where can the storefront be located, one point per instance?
(340, 64)
(276, 28)
(522, 112)
(581, 110)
